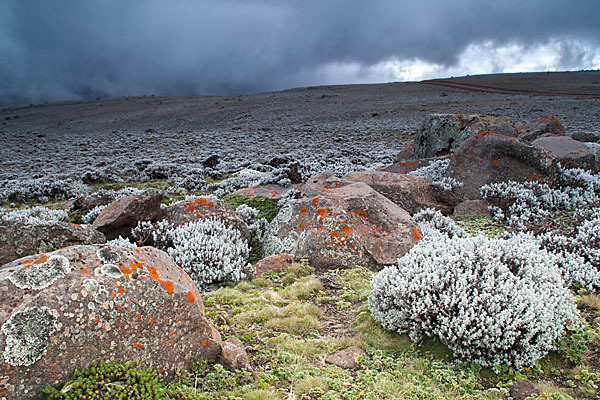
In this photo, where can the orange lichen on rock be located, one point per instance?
(315, 201)
(137, 316)
(416, 234)
(152, 272)
(495, 162)
(41, 259)
(26, 261)
(346, 230)
(137, 251)
(168, 286)
(125, 271)
(322, 213)
(204, 342)
(334, 233)
(84, 271)
(301, 227)
(190, 298)
(119, 289)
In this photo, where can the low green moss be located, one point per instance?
(266, 207)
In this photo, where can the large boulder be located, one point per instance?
(487, 158)
(441, 134)
(540, 126)
(412, 193)
(570, 153)
(68, 308)
(18, 239)
(341, 227)
(200, 208)
(119, 217)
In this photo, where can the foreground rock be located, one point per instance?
(523, 389)
(412, 193)
(342, 226)
(441, 134)
(346, 358)
(570, 153)
(487, 158)
(18, 239)
(68, 308)
(540, 126)
(119, 217)
(200, 208)
(276, 263)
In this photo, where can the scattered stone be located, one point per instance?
(406, 153)
(119, 217)
(412, 193)
(487, 158)
(276, 263)
(18, 239)
(441, 134)
(200, 208)
(342, 226)
(570, 153)
(346, 358)
(539, 126)
(211, 161)
(473, 207)
(66, 309)
(233, 355)
(588, 137)
(521, 390)
(87, 203)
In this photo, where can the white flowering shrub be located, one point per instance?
(523, 205)
(210, 252)
(41, 190)
(156, 234)
(436, 170)
(433, 224)
(34, 216)
(123, 243)
(91, 215)
(492, 301)
(256, 227)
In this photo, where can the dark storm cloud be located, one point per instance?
(69, 49)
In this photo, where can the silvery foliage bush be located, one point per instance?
(492, 301)
(33, 216)
(248, 178)
(256, 227)
(157, 234)
(191, 179)
(432, 224)
(436, 171)
(41, 190)
(580, 250)
(91, 215)
(123, 243)
(210, 252)
(523, 204)
(291, 194)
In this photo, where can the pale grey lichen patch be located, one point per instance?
(27, 334)
(108, 256)
(40, 276)
(90, 285)
(111, 270)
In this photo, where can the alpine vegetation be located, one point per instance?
(41, 190)
(492, 301)
(256, 226)
(432, 224)
(436, 171)
(34, 216)
(210, 252)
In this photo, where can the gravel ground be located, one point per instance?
(344, 128)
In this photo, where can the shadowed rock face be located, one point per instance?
(18, 239)
(441, 134)
(487, 158)
(341, 225)
(540, 126)
(119, 217)
(67, 308)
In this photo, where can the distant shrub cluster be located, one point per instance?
(33, 216)
(40, 190)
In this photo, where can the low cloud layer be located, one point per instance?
(73, 49)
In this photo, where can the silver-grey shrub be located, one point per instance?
(34, 216)
(210, 252)
(492, 301)
(41, 190)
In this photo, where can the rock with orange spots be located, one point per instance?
(65, 309)
(201, 208)
(409, 165)
(539, 126)
(585, 136)
(275, 263)
(343, 226)
(119, 217)
(406, 153)
(487, 158)
(412, 193)
(273, 192)
(233, 355)
(442, 134)
(571, 153)
(19, 239)
(319, 184)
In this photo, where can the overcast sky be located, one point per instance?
(74, 49)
